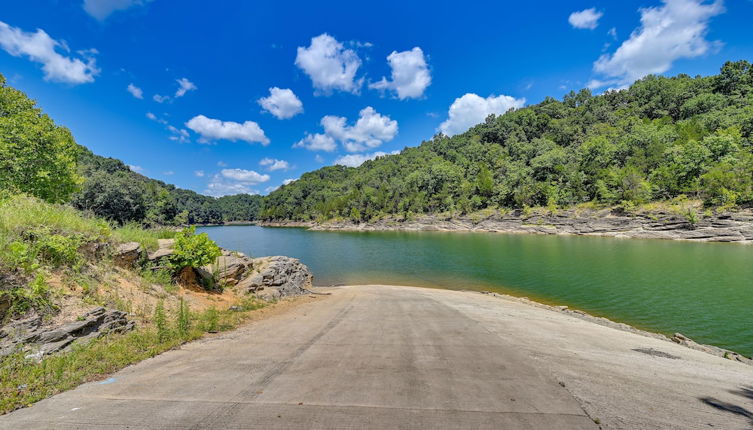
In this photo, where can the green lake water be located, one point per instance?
(703, 290)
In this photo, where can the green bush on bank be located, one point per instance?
(193, 250)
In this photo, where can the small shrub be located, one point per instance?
(691, 217)
(193, 250)
(211, 320)
(160, 321)
(182, 318)
(35, 295)
(21, 255)
(56, 250)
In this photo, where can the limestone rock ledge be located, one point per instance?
(37, 340)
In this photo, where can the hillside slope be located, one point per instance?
(112, 190)
(660, 139)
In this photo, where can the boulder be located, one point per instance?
(230, 268)
(29, 335)
(165, 249)
(128, 254)
(277, 277)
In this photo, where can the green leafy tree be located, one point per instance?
(355, 215)
(113, 196)
(37, 157)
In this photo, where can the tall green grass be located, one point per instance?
(20, 213)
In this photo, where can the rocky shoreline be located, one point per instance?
(268, 278)
(721, 227)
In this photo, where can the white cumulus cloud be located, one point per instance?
(101, 9)
(329, 65)
(282, 103)
(410, 74)
(176, 134)
(288, 181)
(472, 109)
(235, 181)
(675, 30)
(273, 164)
(135, 91)
(214, 129)
(370, 130)
(585, 19)
(184, 86)
(199, 173)
(355, 160)
(317, 142)
(41, 48)
(245, 176)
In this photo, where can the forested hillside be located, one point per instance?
(111, 190)
(40, 158)
(657, 140)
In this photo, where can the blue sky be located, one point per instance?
(181, 91)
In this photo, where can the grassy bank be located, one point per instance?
(25, 381)
(56, 262)
(42, 241)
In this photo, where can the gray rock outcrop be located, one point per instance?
(721, 227)
(276, 277)
(230, 268)
(37, 340)
(165, 249)
(128, 254)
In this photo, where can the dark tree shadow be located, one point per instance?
(746, 392)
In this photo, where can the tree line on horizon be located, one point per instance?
(659, 139)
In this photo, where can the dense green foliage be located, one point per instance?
(659, 139)
(36, 156)
(193, 250)
(111, 190)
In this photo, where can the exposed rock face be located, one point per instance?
(94, 250)
(128, 254)
(165, 249)
(230, 267)
(275, 277)
(31, 336)
(725, 227)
